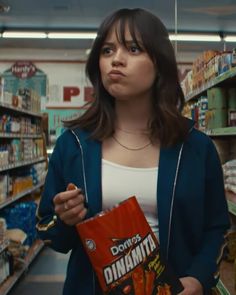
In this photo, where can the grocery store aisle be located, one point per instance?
(45, 275)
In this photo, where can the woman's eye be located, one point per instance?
(106, 50)
(134, 49)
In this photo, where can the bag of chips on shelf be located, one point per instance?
(125, 252)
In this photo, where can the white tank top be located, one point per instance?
(121, 182)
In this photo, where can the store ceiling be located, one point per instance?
(195, 16)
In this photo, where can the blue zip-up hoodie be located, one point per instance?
(192, 210)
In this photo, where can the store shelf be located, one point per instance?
(10, 200)
(21, 111)
(231, 74)
(226, 131)
(226, 283)
(19, 135)
(32, 253)
(21, 164)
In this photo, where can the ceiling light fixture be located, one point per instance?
(92, 35)
(72, 35)
(195, 37)
(230, 38)
(26, 35)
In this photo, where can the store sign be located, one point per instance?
(69, 92)
(23, 69)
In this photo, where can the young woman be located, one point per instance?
(134, 141)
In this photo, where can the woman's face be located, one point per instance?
(127, 71)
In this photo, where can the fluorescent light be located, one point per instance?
(30, 35)
(194, 37)
(72, 35)
(230, 38)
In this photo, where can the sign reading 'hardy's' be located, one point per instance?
(23, 69)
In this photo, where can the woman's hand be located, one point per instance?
(191, 286)
(69, 205)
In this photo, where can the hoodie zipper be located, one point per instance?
(83, 166)
(172, 200)
(173, 196)
(85, 190)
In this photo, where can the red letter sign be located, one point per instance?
(69, 92)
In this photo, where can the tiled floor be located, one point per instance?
(45, 275)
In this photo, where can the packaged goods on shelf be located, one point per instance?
(197, 111)
(20, 180)
(217, 98)
(16, 235)
(3, 228)
(26, 99)
(22, 216)
(217, 115)
(206, 68)
(17, 150)
(10, 124)
(38, 172)
(3, 187)
(224, 62)
(7, 98)
(229, 169)
(232, 106)
(5, 267)
(1, 88)
(217, 118)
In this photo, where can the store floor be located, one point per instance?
(45, 275)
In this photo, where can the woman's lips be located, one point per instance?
(114, 74)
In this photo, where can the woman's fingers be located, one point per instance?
(69, 205)
(77, 219)
(67, 195)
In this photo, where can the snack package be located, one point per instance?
(125, 254)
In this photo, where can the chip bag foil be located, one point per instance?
(125, 253)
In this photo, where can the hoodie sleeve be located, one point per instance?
(205, 266)
(50, 228)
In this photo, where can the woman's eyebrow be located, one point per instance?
(108, 43)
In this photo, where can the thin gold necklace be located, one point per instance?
(129, 148)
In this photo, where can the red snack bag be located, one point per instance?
(124, 252)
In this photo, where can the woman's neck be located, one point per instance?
(131, 116)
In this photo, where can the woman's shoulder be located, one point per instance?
(71, 134)
(200, 141)
(70, 139)
(199, 135)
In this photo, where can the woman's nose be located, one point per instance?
(118, 58)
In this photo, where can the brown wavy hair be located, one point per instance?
(167, 123)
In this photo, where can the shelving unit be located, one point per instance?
(226, 131)
(11, 200)
(227, 79)
(10, 168)
(22, 164)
